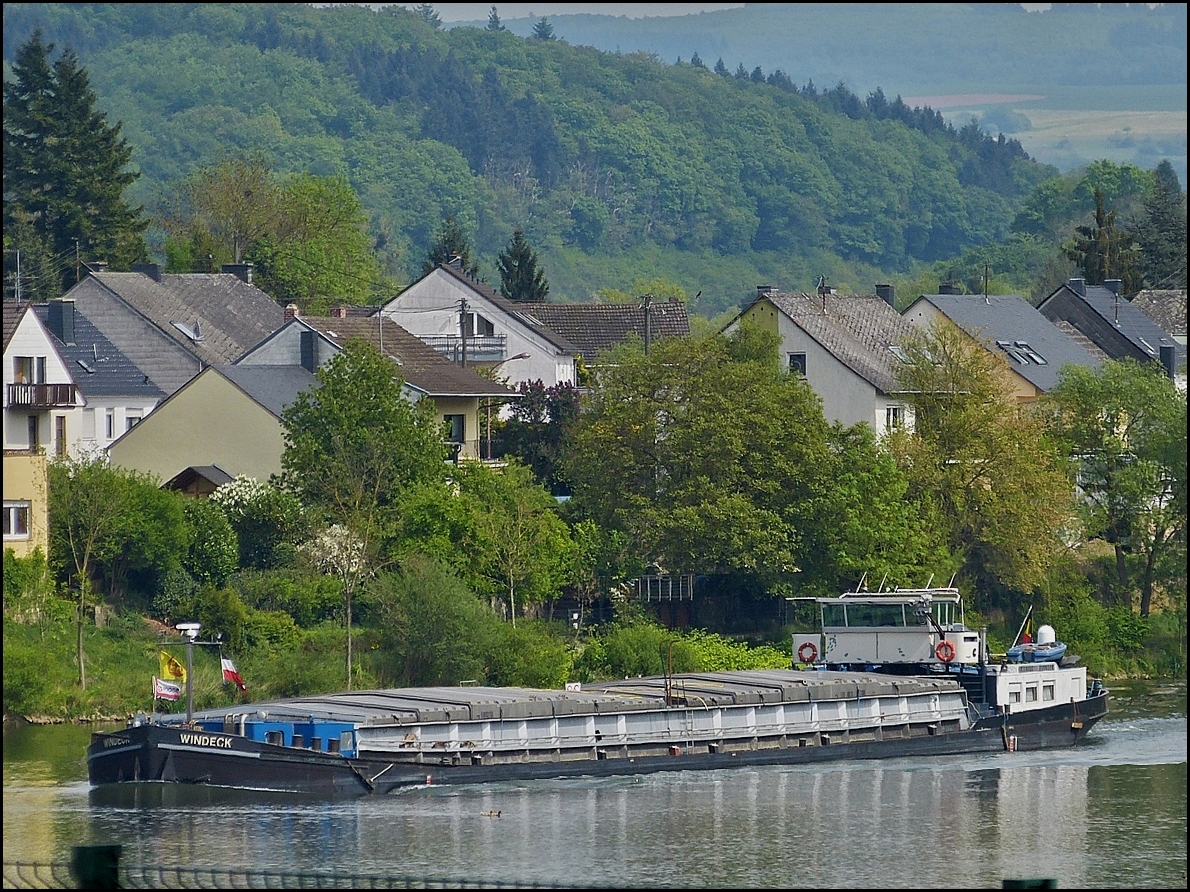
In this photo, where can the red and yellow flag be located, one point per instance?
(171, 669)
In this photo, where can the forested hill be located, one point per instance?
(614, 165)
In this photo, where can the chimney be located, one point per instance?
(1113, 285)
(887, 294)
(1078, 286)
(1169, 359)
(242, 271)
(339, 313)
(61, 320)
(949, 288)
(291, 311)
(762, 290)
(456, 260)
(96, 266)
(152, 270)
(307, 350)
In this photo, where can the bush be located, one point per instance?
(528, 656)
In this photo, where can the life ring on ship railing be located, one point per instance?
(808, 652)
(945, 651)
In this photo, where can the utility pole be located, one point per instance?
(463, 332)
(78, 271)
(18, 275)
(648, 298)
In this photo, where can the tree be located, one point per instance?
(92, 511)
(1161, 234)
(721, 68)
(306, 234)
(494, 20)
(543, 30)
(520, 544)
(536, 432)
(1124, 426)
(1105, 251)
(429, 15)
(65, 172)
(450, 243)
(521, 279)
(985, 467)
(697, 62)
(353, 446)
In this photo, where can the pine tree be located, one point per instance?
(449, 243)
(721, 68)
(1105, 251)
(543, 30)
(429, 15)
(64, 172)
(1162, 232)
(520, 277)
(494, 21)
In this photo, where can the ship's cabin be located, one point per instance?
(897, 626)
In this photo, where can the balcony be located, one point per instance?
(41, 396)
(480, 348)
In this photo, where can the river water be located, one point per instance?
(1109, 814)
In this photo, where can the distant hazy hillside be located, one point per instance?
(912, 48)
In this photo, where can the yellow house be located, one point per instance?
(26, 502)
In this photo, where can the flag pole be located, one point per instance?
(1028, 614)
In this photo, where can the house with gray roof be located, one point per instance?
(458, 393)
(846, 346)
(226, 416)
(117, 394)
(1167, 308)
(1117, 327)
(172, 326)
(597, 327)
(471, 324)
(1010, 327)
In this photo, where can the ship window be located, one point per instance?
(1014, 693)
(833, 615)
(1047, 691)
(1031, 693)
(274, 737)
(345, 740)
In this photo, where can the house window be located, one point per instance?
(131, 420)
(60, 435)
(1024, 347)
(797, 363)
(28, 369)
(16, 520)
(34, 432)
(111, 424)
(457, 427)
(894, 416)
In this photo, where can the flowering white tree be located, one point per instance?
(338, 551)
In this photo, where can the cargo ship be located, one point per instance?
(893, 674)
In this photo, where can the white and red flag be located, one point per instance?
(166, 690)
(230, 674)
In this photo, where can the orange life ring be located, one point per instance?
(808, 652)
(945, 651)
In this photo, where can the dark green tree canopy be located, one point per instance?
(494, 20)
(65, 172)
(450, 242)
(521, 279)
(429, 15)
(543, 30)
(1162, 233)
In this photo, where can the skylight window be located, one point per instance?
(193, 333)
(899, 353)
(1031, 353)
(86, 366)
(1013, 353)
(1147, 346)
